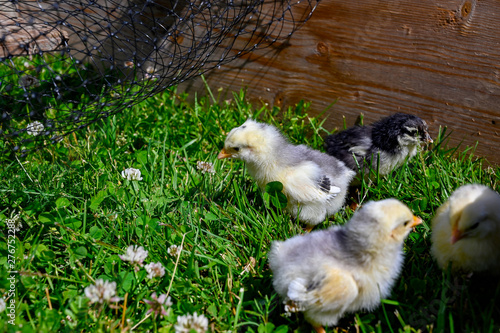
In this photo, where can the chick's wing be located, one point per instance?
(355, 140)
(307, 182)
(331, 289)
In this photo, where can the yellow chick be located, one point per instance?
(314, 183)
(466, 230)
(343, 269)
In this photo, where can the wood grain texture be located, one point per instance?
(23, 39)
(86, 26)
(437, 59)
(16, 41)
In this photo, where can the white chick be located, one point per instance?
(343, 269)
(388, 143)
(466, 230)
(314, 183)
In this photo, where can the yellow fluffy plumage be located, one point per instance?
(314, 183)
(342, 269)
(466, 230)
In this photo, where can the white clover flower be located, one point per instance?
(2, 304)
(158, 303)
(35, 128)
(132, 174)
(155, 269)
(198, 323)
(102, 291)
(174, 250)
(135, 255)
(150, 73)
(205, 167)
(121, 140)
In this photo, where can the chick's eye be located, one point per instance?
(474, 226)
(406, 223)
(236, 148)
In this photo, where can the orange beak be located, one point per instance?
(223, 154)
(416, 221)
(428, 138)
(456, 235)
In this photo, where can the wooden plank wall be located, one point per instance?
(29, 26)
(17, 37)
(437, 59)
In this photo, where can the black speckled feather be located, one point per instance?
(325, 184)
(386, 131)
(341, 144)
(359, 143)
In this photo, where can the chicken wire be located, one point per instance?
(65, 64)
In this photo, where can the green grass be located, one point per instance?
(78, 215)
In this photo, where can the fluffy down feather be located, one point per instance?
(388, 143)
(314, 183)
(344, 268)
(466, 230)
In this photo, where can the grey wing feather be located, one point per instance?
(350, 146)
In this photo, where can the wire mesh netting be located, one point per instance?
(65, 64)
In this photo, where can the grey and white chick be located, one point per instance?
(343, 269)
(387, 142)
(466, 230)
(314, 183)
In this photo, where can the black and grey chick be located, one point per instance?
(388, 143)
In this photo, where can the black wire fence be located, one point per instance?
(65, 64)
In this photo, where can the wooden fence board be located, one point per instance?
(437, 59)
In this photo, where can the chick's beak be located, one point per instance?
(416, 221)
(428, 138)
(456, 235)
(223, 154)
